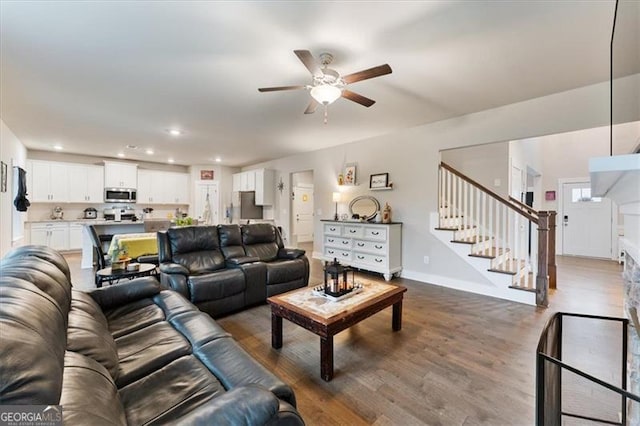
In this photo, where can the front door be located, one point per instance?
(303, 213)
(586, 222)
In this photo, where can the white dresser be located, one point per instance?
(370, 246)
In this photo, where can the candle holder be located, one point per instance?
(336, 279)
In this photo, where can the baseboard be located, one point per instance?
(471, 287)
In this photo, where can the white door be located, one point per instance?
(303, 213)
(206, 191)
(586, 222)
(517, 183)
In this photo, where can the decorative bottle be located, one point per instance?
(386, 213)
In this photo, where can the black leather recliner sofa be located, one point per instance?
(131, 353)
(224, 268)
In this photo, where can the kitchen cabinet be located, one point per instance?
(85, 183)
(265, 181)
(75, 235)
(158, 187)
(51, 234)
(47, 181)
(368, 246)
(262, 181)
(120, 175)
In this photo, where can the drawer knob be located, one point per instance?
(345, 254)
(378, 246)
(332, 229)
(360, 244)
(375, 233)
(379, 260)
(331, 240)
(330, 251)
(353, 231)
(345, 242)
(360, 257)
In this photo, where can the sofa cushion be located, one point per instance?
(282, 271)
(32, 341)
(149, 349)
(89, 395)
(234, 367)
(173, 304)
(170, 392)
(231, 241)
(216, 285)
(88, 333)
(196, 248)
(198, 328)
(133, 316)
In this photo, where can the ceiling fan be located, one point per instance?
(328, 85)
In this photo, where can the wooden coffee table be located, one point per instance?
(326, 318)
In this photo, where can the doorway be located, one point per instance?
(586, 222)
(207, 203)
(302, 209)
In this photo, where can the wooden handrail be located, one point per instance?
(523, 205)
(490, 192)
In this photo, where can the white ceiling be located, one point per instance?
(96, 76)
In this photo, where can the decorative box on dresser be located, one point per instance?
(373, 247)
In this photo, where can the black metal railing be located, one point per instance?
(549, 368)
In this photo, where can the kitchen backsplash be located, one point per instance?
(43, 211)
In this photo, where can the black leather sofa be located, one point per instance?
(224, 268)
(131, 353)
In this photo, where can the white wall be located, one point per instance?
(13, 153)
(486, 164)
(411, 157)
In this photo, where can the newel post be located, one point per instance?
(542, 279)
(551, 260)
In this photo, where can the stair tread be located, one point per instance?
(491, 253)
(517, 287)
(470, 240)
(506, 268)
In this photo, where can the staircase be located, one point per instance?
(509, 243)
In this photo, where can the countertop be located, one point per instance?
(88, 221)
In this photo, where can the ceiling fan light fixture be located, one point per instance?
(326, 94)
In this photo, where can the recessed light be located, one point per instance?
(174, 132)
(149, 151)
(171, 160)
(218, 159)
(121, 154)
(58, 147)
(132, 147)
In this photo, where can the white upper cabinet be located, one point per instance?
(158, 187)
(120, 175)
(261, 181)
(48, 182)
(85, 183)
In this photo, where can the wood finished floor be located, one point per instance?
(460, 359)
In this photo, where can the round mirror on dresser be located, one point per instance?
(365, 206)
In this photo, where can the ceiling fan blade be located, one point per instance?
(275, 89)
(366, 74)
(312, 107)
(359, 99)
(309, 61)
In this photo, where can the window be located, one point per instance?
(583, 195)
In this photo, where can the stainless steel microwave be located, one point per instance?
(119, 195)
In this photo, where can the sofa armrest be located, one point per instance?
(290, 253)
(237, 261)
(173, 268)
(121, 294)
(244, 405)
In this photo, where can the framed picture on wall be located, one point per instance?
(206, 174)
(379, 180)
(3, 176)
(350, 174)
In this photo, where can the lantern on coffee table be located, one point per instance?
(336, 279)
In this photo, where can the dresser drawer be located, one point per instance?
(337, 242)
(344, 255)
(378, 234)
(370, 259)
(352, 231)
(332, 229)
(370, 246)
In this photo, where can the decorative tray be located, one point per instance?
(319, 291)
